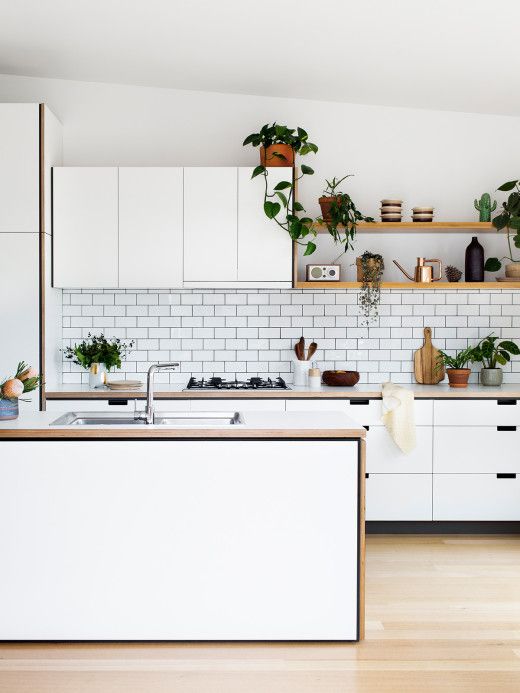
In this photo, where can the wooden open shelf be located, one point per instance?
(410, 285)
(428, 227)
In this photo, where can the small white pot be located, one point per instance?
(301, 372)
(97, 375)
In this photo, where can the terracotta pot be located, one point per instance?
(326, 204)
(513, 270)
(458, 377)
(268, 158)
(340, 378)
(372, 266)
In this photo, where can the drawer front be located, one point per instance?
(366, 412)
(237, 405)
(471, 412)
(476, 497)
(384, 457)
(399, 497)
(61, 405)
(476, 450)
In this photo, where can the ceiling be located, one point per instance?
(458, 55)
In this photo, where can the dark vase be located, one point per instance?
(474, 269)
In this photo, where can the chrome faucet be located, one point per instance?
(149, 412)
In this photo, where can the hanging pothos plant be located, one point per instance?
(370, 272)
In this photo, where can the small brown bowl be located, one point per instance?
(340, 378)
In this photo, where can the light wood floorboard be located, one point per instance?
(443, 614)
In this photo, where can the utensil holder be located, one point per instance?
(301, 372)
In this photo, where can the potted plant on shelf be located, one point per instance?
(279, 143)
(509, 219)
(26, 379)
(98, 354)
(458, 374)
(340, 213)
(489, 354)
(370, 267)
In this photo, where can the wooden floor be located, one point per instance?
(443, 614)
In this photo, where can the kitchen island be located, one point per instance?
(251, 531)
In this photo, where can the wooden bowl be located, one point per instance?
(340, 378)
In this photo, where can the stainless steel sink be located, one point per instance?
(180, 419)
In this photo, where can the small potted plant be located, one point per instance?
(98, 354)
(370, 267)
(458, 374)
(340, 213)
(509, 218)
(279, 143)
(490, 353)
(26, 379)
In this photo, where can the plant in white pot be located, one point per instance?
(26, 379)
(98, 354)
(509, 219)
(490, 352)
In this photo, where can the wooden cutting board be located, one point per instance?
(425, 362)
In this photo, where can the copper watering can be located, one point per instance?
(423, 273)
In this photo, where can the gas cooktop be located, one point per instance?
(217, 383)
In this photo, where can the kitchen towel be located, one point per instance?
(398, 416)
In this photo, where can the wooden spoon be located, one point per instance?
(299, 349)
(312, 350)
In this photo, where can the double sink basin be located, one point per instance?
(179, 419)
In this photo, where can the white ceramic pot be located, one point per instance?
(97, 375)
(301, 372)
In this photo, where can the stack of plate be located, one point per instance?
(423, 214)
(124, 384)
(391, 210)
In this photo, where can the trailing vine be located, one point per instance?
(372, 267)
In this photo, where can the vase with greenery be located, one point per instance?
(490, 352)
(370, 267)
(279, 143)
(509, 219)
(340, 214)
(99, 355)
(25, 380)
(458, 374)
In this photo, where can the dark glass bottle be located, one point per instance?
(474, 269)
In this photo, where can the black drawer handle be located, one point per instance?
(506, 428)
(367, 428)
(114, 402)
(367, 476)
(359, 402)
(506, 402)
(506, 476)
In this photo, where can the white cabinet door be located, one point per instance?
(476, 412)
(366, 412)
(399, 497)
(19, 298)
(210, 226)
(150, 228)
(476, 450)
(19, 167)
(264, 249)
(85, 405)
(85, 227)
(384, 457)
(237, 405)
(476, 497)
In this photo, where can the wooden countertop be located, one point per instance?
(441, 391)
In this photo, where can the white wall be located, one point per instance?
(424, 157)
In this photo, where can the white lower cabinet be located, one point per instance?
(477, 497)
(63, 405)
(476, 450)
(237, 405)
(398, 497)
(384, 457)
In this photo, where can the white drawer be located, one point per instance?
(61, 405)
(476, 450)
(473, 412)
(166, 404)
(366, 412)
(399, 497)
(237, 405)
(475, 497)
(384, 457)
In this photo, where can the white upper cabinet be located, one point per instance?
(210, 226)
(264, 249)
(150, 228)
(85, 227)
(19, 167)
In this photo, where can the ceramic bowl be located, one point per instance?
(340, 378)
(422, 210)
(391, 202)
(391, 209)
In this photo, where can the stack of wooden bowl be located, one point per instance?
(391, 210)
(422, 214)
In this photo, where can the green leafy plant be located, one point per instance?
(458, 361)
(25, 380)
(297, 138)
(342, 215)
(509, 218)
(99, 349)
(489, 353)
(372, 267)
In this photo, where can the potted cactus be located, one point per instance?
(485, 207)
(26, 379)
